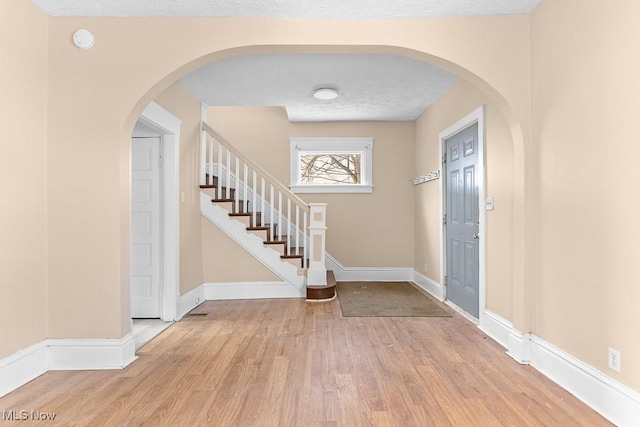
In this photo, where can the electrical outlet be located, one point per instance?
(614, 360)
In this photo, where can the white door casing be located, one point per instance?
(146, 230)
(168, 126)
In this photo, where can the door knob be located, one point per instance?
(476, 236)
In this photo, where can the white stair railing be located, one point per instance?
(258, 192)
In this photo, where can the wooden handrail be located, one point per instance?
(256, 167)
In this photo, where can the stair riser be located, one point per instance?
(213, 192)
(225, 205)
(262, 234)
(245, 220)
(278, 248)
(321, 293)
(296, 262)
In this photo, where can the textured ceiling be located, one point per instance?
(370, 86)
(305, 9)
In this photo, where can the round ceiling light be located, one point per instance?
(83, 39)
(325, 94)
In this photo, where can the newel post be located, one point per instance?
(317, 272)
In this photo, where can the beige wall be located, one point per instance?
(23, 168)
(363, 230)
(182, 104)
(226, 261)
(586, 99)
(456, 103)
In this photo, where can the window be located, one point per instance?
(331, 165)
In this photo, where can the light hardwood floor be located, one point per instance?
(292, 363)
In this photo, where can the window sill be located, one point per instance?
(348, 188)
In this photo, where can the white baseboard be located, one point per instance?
(191, 300)
(434, 288)
(495, 327)
(367, 274)
(64, 354)
(519, 347)
(613, 400)
(84, 354)
(236, 290)
(23, 366)
(251, 290)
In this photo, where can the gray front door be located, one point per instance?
(462, 225)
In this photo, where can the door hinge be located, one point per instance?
(446, 280)
(444, 158)
(444, 219)
(160, 161)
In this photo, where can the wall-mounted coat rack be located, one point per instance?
(426, 178)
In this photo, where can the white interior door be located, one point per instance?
(145, 227)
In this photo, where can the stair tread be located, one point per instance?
(275, 242)
(215, 186)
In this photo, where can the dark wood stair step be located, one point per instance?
(293, 256)
(232, 191)
(323, 293)
(250, 215)
(242, 205)
(261, 228)
(277, 242)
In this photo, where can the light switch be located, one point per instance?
(489, 203)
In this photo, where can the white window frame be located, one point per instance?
(342, 145)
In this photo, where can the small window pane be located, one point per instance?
(323, 169)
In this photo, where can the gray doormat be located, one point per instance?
(386, 299)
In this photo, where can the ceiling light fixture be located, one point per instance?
(325, 94)
(83, 39)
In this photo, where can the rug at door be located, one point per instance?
(386, 299)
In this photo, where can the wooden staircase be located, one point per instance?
(284, 245)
